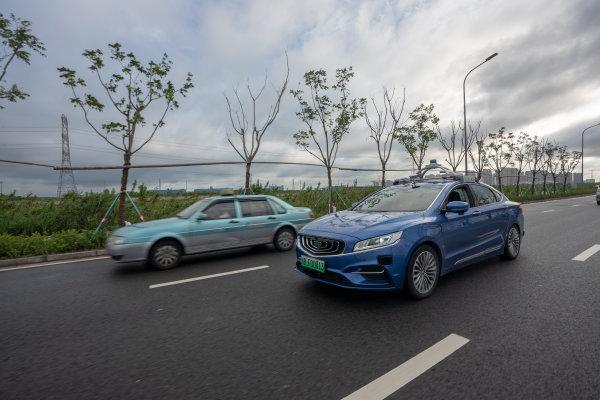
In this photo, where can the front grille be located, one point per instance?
(321, 246)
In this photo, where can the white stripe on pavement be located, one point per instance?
(199, 278)
(547, 211)
(53, 263)
(575, 205)
(587, 254)
(387, 384)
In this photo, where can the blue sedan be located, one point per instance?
(409, 234)
(216, 223)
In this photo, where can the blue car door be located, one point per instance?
(489, 229)
(458, 230)
(218, 230)
(260, 220)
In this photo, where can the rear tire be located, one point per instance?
(598, 202)
(284, 239)
(422, 272)
(513, 243)
(165, 254)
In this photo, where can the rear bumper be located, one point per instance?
(128, 252)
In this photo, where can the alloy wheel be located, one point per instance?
(425, 270)
(514, 241)
(285, 240)
(166, 255)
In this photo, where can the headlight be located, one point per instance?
(378, 241)
(117, 240)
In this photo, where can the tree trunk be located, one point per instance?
(532, 182)
(518, 183)
(247, 185)
(499, 182)
(382, 175)
(544, 187)
(553, 184)
(124, 177)
(564, 183)
(330, 189)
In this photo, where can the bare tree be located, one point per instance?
(453, 144)
(568, 163)
(248, 128)
(131, 88)
(520, 149)
(331, 117)
(384, 125)
(534, 158)
(478, 153)
(499, 152)
(416, 136)
(553, 151)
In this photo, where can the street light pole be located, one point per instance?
(582, 133)
(465, 105)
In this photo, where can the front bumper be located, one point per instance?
(128, 252)
(344, 270)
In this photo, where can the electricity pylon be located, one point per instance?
(66, 181)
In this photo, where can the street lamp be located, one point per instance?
(582, 133)
(465, 104)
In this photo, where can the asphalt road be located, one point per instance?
(96, 329)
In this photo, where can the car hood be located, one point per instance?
(361, 225)
(157, 224)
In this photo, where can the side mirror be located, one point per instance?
(458, 207)
(201, 216)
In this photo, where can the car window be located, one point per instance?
(279, 209)
(255, 208)
(191, 210)
(482, 195)
(220, 210)
(400, 198)
(458, 194)
(497, 194)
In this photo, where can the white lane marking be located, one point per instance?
(387, 384)
(575, 205)
(547, 211)
(587, 254)
(53, 263)
(199, 278)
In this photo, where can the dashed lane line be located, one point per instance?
(200, 278)
(545, 211)
(583, 256)
(387, 384)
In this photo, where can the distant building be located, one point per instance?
(210, 190)
(167, 192)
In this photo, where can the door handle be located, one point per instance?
(233, 221)
(272, 218)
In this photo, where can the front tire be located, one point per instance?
(513, 243)
(165, 254)
(598, 202)
(284, 239)
(423, 272)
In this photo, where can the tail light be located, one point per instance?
(311, 214)
(519, 209)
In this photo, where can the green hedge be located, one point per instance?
(13, 246)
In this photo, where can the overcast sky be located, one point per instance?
(545, 81)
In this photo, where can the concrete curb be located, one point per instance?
(52, 257)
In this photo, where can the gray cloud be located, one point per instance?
(545, 79)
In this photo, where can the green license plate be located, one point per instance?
(311, 263)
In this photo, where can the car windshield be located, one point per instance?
(400, 198)
(191, 210)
